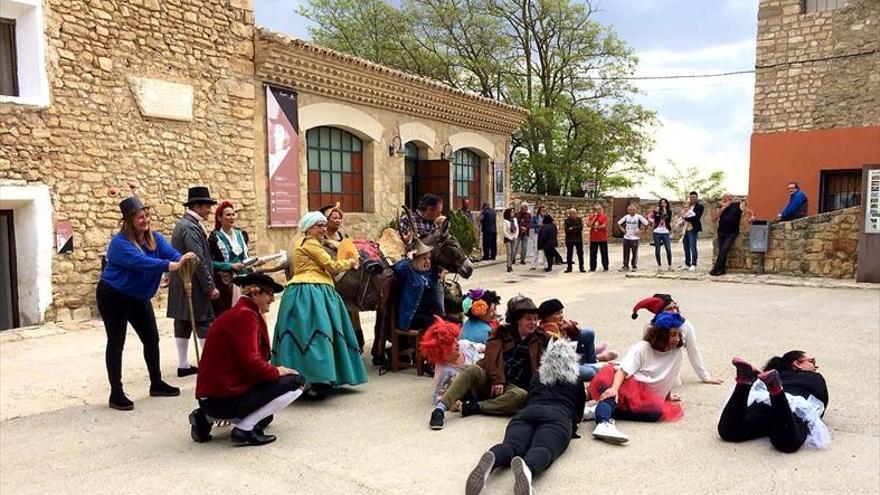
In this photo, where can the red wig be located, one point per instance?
(218, 213)
(439, 340)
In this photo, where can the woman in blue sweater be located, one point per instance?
(136, 259)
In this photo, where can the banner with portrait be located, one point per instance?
(282, 141)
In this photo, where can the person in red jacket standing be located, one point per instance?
(236, 382)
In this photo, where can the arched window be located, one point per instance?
(466, 178)
(335, 161)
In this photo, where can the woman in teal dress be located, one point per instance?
(228, 246)
(313, 332)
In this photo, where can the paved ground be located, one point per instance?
(58, 436)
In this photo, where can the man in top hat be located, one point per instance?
(235, 381)
(190, 235)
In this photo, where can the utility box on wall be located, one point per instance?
(759, 236)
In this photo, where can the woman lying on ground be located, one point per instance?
(784, 402)
(640, 387)
(555, 325)
(541, 431)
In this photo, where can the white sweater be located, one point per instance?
(689, 336)
(511, 229)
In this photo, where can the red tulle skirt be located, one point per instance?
(635, 396)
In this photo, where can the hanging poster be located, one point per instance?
(872, 205)
(282, 141)
(498, 187)
(63, 237)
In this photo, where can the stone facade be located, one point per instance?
(823, 245)
(91, 146)
(376, 104)
(817, 70)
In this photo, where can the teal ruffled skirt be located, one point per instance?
(314, 335)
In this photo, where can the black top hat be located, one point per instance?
(130, 206)
(260, 279)
(199, 194)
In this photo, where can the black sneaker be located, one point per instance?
(437, 418)
(120, 402)
(162, 389)
(469, 408)
(182, 372)
(200, 430)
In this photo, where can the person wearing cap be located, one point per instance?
(640, 387)
(659, 303)
(229, 250)
(236, 382)
(554, 324)
(498, 382)
(479, 306)
(191, 236)
(136, 259)
(313, 332)
(417, 283)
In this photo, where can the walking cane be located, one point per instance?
(187, 268)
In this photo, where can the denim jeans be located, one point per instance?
(665, 241)
(690, 247)
(586, 348)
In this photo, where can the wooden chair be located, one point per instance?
(398, 351)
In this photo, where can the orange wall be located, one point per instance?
(780, 157)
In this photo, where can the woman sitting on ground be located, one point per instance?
(417, 287)
(785, 402)
(555, 325)
(479, 307)
(660, 303)
(542, 430)
(640, 387)
(441, 347)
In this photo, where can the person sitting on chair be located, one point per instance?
(417, 285)
(235, 381)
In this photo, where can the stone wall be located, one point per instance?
(92, 146)
(823, 245)
(817, 70)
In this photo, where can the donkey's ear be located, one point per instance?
(445, 227)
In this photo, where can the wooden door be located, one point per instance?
(432, 176)
(9, 317)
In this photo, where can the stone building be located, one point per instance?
(817, 102)
(100, 99)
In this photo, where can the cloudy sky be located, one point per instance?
(704, 122)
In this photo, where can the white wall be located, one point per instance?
(34, 245)
(33, 83)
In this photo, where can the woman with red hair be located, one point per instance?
(440, 346)
(228, 246)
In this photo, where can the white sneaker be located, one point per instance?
(692, 268)
(476, 481)
(608, 432)
(522, 477)
(590, 411)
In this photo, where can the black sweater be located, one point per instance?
(804, 384)
(568, 397)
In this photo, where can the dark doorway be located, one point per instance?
(8, 280)
(411, 171)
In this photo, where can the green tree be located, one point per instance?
(682, 182)
(548, 56)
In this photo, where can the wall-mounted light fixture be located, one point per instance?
(446, 154)
(396, 147)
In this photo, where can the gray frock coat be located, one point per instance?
(188, 236)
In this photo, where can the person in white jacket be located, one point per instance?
(511, 232)
(660, 303)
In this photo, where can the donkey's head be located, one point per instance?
(447, 253)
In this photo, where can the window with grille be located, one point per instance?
(811, 6)
(466, 177)
(8, 62)
(335, 162)
(840, 189)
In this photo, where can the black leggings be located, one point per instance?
(539, 434)
(739, 422)
(118, 310)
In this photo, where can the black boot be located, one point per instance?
(119, 401)
(162, 389)
(201, 427)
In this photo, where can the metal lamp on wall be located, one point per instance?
(396, 147)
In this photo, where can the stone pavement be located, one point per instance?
(58, 436)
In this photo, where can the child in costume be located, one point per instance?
(480, 308)
(554, 324)
(441, 347)
(640, 387)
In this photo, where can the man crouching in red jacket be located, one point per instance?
(236, 381)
